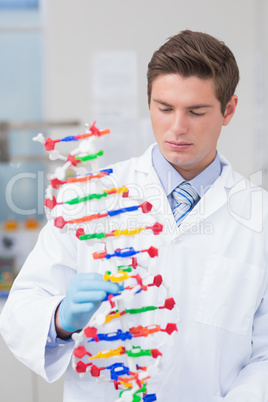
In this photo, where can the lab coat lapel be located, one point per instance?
(155, 194)
(213, 200)
(161, 205)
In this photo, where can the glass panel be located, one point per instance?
(22, 190)
(15, 4)
(20, 76)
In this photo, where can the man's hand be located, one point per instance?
(83, 297)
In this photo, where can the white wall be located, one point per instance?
(75, 29)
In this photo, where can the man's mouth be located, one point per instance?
(179, 146)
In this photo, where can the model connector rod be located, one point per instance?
(125, 253)
(136, 351)
(60, 222)
(156, 229)
(94, 131)
(56, 183)
(51, 203)
(133, 332)
(89, 157)
(169, 305)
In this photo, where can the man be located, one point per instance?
(214, 259)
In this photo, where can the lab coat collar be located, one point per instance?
(145, 161)
(213, 200)
(145, 164)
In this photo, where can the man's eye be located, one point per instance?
(196, 114)
(166, 109)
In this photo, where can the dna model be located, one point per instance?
(123, 319)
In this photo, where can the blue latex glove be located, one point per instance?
(83, 297)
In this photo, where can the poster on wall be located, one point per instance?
(115, 101)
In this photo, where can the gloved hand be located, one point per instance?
(83, 297)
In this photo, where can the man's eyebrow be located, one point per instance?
(201, 106)
(198, 106)
(162, 102)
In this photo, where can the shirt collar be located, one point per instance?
(170, 178)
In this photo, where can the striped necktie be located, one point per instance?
(185, 197)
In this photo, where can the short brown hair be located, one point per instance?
(196, 54)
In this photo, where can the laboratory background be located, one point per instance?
(67, 63)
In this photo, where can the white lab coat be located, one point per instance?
(216, 267)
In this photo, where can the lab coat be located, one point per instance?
(215, 266)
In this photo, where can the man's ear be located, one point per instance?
(230, 110)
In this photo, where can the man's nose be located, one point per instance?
(179, 123)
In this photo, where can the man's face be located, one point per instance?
(187, 120)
